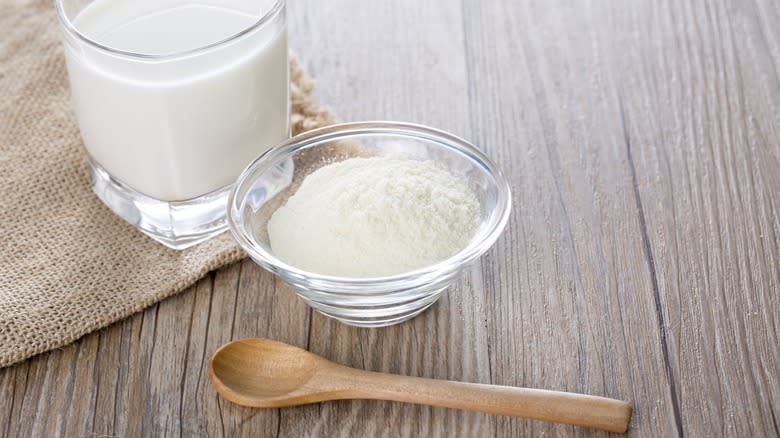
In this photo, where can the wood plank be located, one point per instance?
(572, 304)
(709, 192)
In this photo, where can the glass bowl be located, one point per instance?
(273, 177)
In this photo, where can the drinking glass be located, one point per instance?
(167, 127)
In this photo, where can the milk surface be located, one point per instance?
(175, 126)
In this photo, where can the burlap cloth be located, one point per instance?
(68, 265)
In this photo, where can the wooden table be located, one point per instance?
(641, 262)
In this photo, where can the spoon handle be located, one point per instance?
(560, 407)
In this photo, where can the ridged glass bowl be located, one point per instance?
(273, 177)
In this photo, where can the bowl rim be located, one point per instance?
(367, 286)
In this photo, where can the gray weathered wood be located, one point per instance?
(642, 259)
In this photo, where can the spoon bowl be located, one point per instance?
(271, 374)
(262, 370)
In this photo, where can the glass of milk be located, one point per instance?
(173, 99)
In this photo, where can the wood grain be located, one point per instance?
(641, 262)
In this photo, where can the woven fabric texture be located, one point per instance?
(68, 265)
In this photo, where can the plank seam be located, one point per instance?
(653, 276)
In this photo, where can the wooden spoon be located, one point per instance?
(269, 374)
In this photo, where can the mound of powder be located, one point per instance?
(371, 217)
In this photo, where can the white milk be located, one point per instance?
(175, 127)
